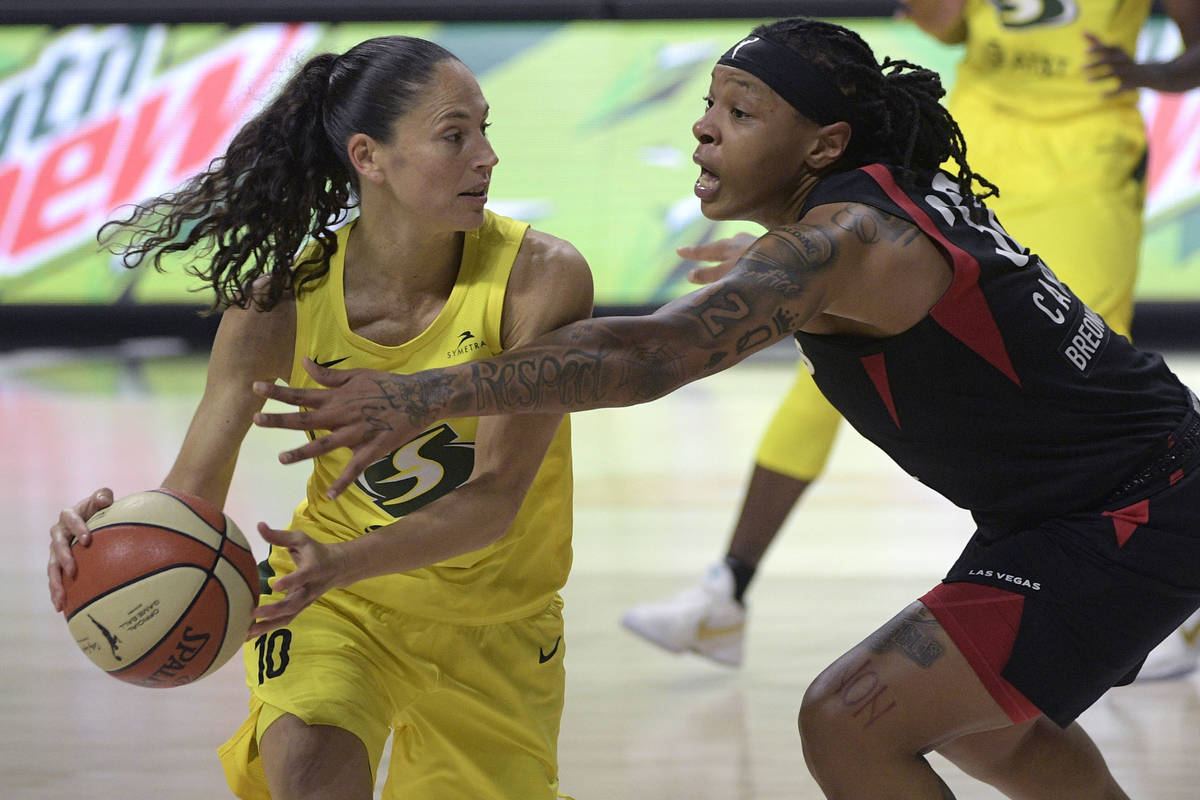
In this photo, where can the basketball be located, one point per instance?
(166, 591)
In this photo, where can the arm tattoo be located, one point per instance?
(600, 363)
(755, 338)
(574, 377)
(653, 371)
(623, 370)
(721, 309)
(914, 636)
(870, 225)
(785, 321)
(784, 259)
(411, 395)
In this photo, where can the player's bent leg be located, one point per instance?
(307, 762)
(868, 719)
(1036, 759)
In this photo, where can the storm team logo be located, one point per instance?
(428, 467)
(1030, 13)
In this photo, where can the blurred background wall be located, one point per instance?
(106, 102)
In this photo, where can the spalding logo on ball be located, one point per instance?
(166, 591)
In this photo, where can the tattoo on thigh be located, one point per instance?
(915, 635)
(863, 690)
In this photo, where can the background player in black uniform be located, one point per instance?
(952, 347)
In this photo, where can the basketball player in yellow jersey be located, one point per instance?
(423, 603)
(1042, 97)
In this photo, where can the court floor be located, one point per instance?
(657, 489)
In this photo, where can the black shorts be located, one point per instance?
(1051, 616)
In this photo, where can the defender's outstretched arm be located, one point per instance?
(775, 288)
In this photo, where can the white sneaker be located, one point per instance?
(704, 619)
(1175, 656)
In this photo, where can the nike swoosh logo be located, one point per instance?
(706, 631)
(1190, 634)
(544, 657)
(328, 364)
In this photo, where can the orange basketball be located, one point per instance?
(166, 591)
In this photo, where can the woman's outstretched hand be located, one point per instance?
(370, 412)
(318, 569)
(725, 252)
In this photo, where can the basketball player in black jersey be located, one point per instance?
(947, 343)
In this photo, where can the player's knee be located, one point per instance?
(825, 735)
(314, 761)
(838, 716)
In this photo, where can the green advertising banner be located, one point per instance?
(592, 123)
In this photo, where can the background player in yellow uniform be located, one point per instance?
(1042, 97)
(425, 600)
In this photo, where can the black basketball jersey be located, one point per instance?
(1011, 398)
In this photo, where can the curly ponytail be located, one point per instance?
(285, 177)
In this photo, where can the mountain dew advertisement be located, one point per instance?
(592, 123)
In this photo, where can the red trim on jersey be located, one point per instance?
(963, 311)
(1126, 520)
(982, 621)
(877, 372)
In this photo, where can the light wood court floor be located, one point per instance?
(657, 491)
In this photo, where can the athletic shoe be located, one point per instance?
(704, 619)
(1177, 655)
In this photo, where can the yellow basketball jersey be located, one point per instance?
(518, 574)
(1030, 56)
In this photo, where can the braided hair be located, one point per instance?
(284, 179)
(898, 118)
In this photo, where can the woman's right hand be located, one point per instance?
(71, 526)
(724, 251)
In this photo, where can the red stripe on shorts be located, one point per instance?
(982, 622)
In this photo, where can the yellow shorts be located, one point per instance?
(1072, 190)
(801, 434)
(475, 709)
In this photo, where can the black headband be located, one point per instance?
(790, 76)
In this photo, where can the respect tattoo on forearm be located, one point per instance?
(623, 370)
(527, 383)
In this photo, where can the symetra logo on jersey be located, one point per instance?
(467, 342)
